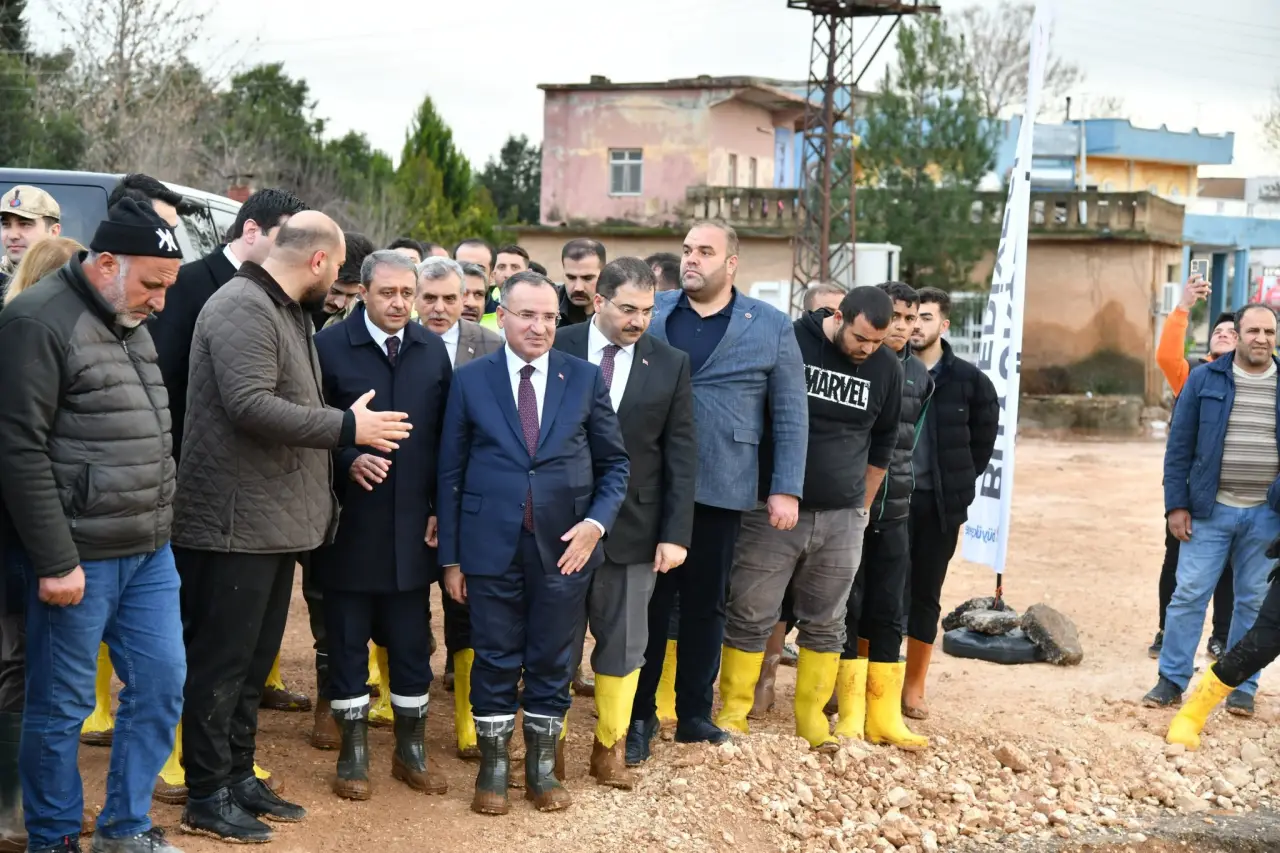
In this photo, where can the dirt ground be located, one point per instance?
(1087, 539)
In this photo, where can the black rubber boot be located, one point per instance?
(541, 735)
(409, 761)
(493, 739)
(352, 780)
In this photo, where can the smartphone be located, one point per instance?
(1200, 267)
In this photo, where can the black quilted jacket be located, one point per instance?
(255, 475)
(85, 460)
(893, 501)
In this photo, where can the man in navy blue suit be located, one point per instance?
(533, 471)
(377, 573)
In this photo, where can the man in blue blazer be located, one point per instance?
(377, 573)
(745, 360)
(533, 471)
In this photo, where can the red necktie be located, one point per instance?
(606, 364)
(527, 407)
(393, 349)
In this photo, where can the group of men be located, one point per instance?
(644, 433)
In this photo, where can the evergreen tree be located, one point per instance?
(431, 138)
(514, 180)
(926, 145)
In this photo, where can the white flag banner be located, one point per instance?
(986, 533)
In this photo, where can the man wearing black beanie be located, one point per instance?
(88, 477)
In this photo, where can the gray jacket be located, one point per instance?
(256, 469)
(756, 363)
(85, 450)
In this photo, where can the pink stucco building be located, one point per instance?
(627, 152)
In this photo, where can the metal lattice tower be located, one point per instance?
(826, 218)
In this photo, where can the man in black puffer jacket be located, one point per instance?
(955, 444)
(873, 621)
(88, 478)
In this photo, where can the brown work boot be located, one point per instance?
(559, 768)
(493, 738)
(324, 732)
(583, 684)
(763, 702)
(284, 699)
(541, 735)
(409, 760)
(351, 781)
(913, 702)
(609, 766)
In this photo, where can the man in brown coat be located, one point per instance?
(253, 493)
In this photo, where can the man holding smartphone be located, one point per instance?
(1172, 360)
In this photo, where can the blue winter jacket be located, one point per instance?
(1193, 455)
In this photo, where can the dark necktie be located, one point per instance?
(527, 407)
(393, 349)
(606, 364)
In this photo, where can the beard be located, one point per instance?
(926, 342)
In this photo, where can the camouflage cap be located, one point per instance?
(30, 203)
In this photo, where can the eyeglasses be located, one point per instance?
(631, 310)
(531, 316)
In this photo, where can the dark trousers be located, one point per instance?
(525, 625)
(314, 596)
(234, 608)
(876, 601)
(395, 621)
(932, 547)
(1257, 648)
(1224, 594)
(701, 583)
(13, 663)
(457, 623)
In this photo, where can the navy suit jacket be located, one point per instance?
(579, 471)
(380, 546)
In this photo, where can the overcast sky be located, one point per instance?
(369, 64)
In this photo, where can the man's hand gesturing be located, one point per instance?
(380, 430)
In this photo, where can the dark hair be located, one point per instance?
(145, 189)
(870, 302)
(523, 277)
(475, 241)
(359, 247)
(428, 247)
(900, 292)
(537, 267)
(622, 271)
(938, 297)
(1224, 317)
(669, 265)
(1239, 315)
(266, 207)
(576, 250)
(511, 249)
(408, 243)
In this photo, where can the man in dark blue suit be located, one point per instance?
(377, 573)
(533, 471)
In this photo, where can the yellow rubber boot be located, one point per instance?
(667, 685)
(463, 723)
(380, 714)
(1189, 722)
(884, 708)
(614, 698)
(100, 725)
(375, 672)
(739, 672)
(172, 772)
(264, 775)
(851, 698)
(815, 679)
(275, 680)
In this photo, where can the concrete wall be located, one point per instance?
(1171, 180)
(746, 130)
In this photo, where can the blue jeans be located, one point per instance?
(130, 603)
(1241, 535)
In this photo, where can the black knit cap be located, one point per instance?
(135, 229)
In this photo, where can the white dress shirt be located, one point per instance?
(596, 342)
(539, 381)
(231, 256)
(379, 336)
(450, 339)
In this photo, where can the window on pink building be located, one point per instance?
(626, 171)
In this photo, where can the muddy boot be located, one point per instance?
(324, 729)
(583, 684)
(763, 702)
(352, 779)
(277, 697)
(541, 735)
(13, 834)
(493, 737)
(409, 761)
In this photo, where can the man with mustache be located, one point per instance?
(583, 259)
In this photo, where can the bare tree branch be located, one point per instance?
(1271, 124)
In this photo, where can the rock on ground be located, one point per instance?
(992, 622)
(986, 602)
(1054, 633)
